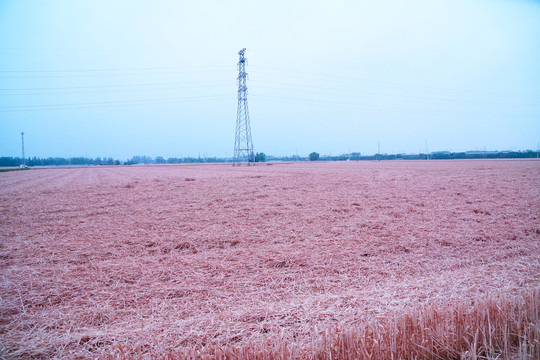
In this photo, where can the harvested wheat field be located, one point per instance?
(425, 259)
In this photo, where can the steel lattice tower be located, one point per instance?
(243, 145)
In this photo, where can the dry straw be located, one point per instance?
(489, 329)
(305, 261)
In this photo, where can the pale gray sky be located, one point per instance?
(124, 78)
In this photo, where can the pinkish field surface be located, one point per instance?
(161, 258)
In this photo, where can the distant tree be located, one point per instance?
(159, 160)
(9, 161)
(141, 160)
(260, 157)
(314, 156)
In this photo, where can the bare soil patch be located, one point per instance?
(165, 258)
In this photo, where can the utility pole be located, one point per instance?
(378, 151)
(23, 161)
(243, 144)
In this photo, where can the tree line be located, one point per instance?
(7, 161)
(57, 161)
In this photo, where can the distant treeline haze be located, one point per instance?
(355, 156)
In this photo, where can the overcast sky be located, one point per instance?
(123, 78)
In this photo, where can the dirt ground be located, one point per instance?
(160, 258)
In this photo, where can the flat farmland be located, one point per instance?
(156, 260)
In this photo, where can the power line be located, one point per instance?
(108, 74)
(352, 93)
(281, 72)
(293, 87)
(351, 80)
(116, 69)
(355, 105)
(84, 105)
(112, 86)
(114, 91)
(288, 99)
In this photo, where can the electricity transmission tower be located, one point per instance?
(243, 145)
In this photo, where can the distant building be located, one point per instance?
(481, 152)
(441, 153)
